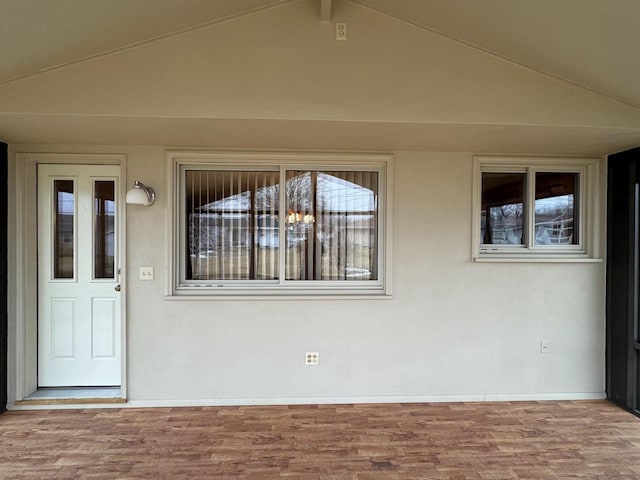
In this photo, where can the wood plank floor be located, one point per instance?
(483, 441)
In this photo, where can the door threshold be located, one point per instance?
(73, 395)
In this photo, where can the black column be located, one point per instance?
(623, 262)
(3, 276)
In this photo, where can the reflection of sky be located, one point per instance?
(109, 207)
(554, 204)
(238, 202)
(65, 203)
(339, 195)
(334, 194)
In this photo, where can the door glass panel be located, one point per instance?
(63, 242)
(104, 216)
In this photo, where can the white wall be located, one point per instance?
(453, 327)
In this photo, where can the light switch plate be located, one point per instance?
(146, 273)
(544, 346)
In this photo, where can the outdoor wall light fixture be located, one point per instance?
(140, 194)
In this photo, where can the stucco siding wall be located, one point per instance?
(452, 327)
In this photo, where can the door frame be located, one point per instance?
(26, 252)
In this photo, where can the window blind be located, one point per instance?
(331, 225)
(232, 225)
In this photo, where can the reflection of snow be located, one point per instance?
(554, 220)
(557, 231)
(233, 203)
(552, 205)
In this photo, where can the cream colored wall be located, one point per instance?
(453, 327)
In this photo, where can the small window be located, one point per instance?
(293, 226)
(533, 208)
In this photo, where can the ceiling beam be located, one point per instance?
(325, 10)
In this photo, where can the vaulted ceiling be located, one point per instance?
(37, 35)
(586, 48)
(591, 43)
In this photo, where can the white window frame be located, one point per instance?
(588, 204)
(177, 287)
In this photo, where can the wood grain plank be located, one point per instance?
(477, 441)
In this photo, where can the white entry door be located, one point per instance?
(78, 276)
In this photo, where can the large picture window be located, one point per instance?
(289, 226)
(527, 208)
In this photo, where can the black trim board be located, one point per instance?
(3, 275)
(623, 279)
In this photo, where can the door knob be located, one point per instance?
(117, 288)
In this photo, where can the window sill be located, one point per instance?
(286, 296)
(534, 258)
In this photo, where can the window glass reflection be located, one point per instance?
(502, 208)
(63, 241)
(331, 225)
(232, 225)
(556, 209)
(104, 207)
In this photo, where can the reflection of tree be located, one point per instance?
(267, 198)
(333, 191)
(506, 212)
(504, 224)
(338, 241)
(299, 192)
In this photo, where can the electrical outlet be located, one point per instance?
(146, 273)
(544, 346)
(341, 31)
(311, 358)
